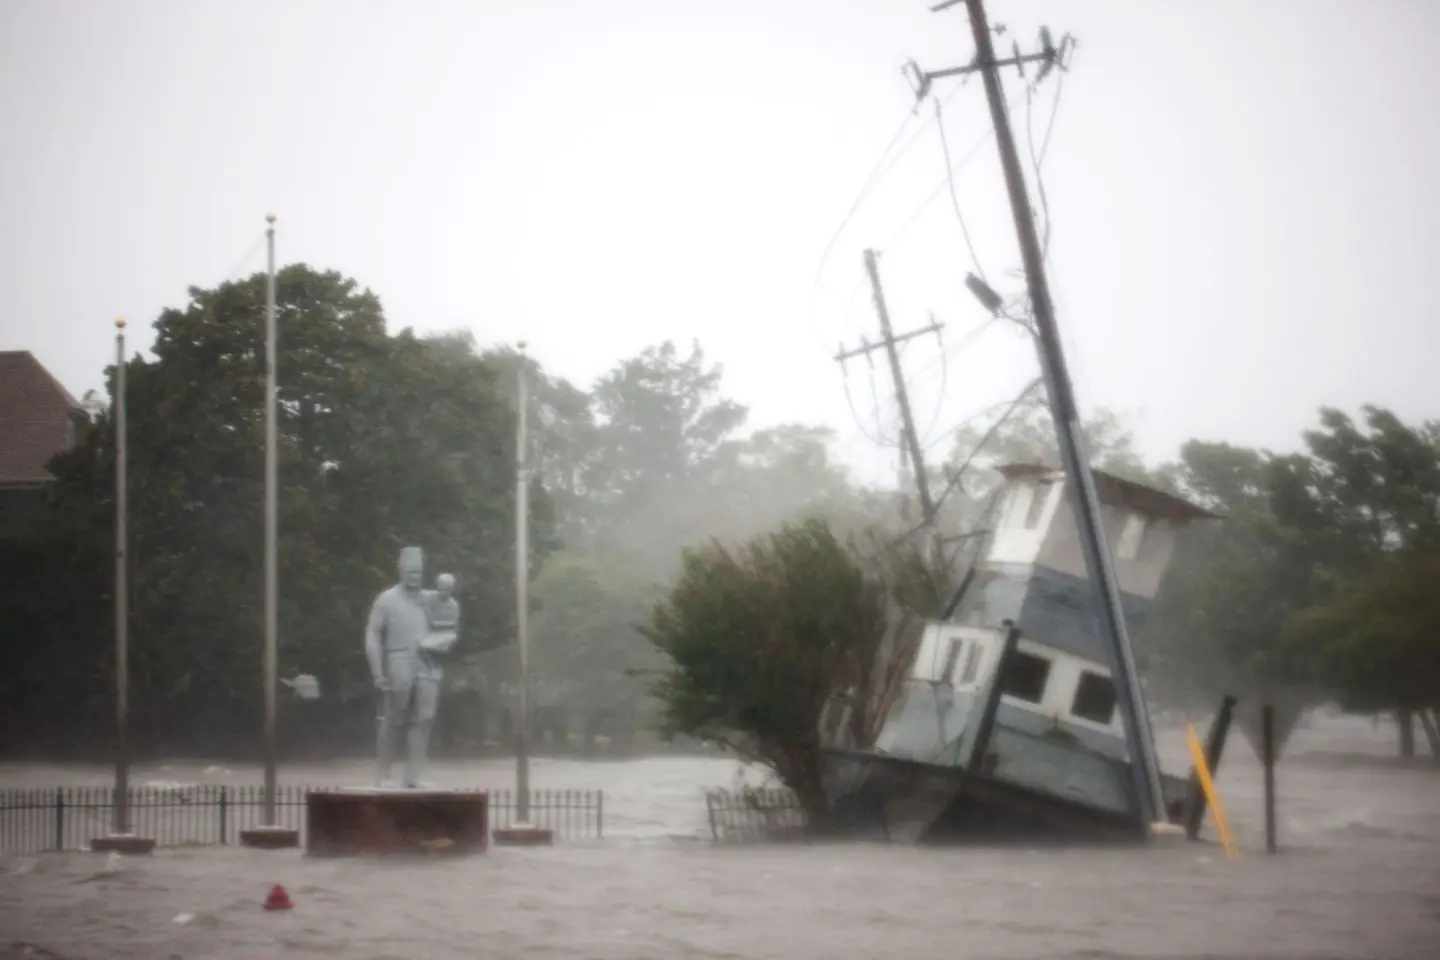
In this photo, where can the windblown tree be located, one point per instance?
(1378, 640)
(760, 637)
(1365, 505)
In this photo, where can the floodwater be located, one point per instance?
(1358, 876)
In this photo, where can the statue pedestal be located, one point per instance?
(362, 821)
(127, 844)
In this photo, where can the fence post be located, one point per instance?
(223, 803)
(600, 815)
(59, 818)
(1195, 802)
(710, 809)
(1267, 758)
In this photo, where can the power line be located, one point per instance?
(956, 475)
(855, 413)
(878, 173)
(943, 360)
(243, 261)
(954, 197)
(969, 155)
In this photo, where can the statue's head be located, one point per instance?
(445, 586)
(412, 566)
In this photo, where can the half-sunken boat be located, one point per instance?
(1007, 718)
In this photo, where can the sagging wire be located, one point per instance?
(877, 174)
(855, 413)
(955, 476)
(954, 196)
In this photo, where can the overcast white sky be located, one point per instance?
(1243, 190)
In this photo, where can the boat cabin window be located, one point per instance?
(1132, 535)
(1025, 677)
(1094, 698)
(1039, 497)
(972, 664)
(952, 656)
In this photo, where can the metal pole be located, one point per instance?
(1267, 757)
(522, 595)
(272, 598)
(1195, 802)
(122, 598)
(1084, 500)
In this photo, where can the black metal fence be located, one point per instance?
(68, 818)
(752, 814)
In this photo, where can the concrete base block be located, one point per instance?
(377, 821)
(1165, 833)
(523, 835)
(127, 844)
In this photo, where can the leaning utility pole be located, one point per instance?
(910, 441)
(1085, 502)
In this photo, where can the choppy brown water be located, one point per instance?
(1358, 877)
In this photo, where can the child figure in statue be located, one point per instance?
(443, 611)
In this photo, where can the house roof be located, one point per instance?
(1118, 490)
(35, 419)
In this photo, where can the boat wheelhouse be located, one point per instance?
(966, 741)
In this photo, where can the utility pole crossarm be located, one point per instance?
(1050, 57)
(867, 348)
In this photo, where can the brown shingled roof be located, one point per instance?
(35, 419)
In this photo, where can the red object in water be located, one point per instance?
(278, 899)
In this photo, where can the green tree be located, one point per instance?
(1231, 588)
(587, 648)
(1378, 640)
(383, 441)
(565, 442)
(1363, 495)
(758, 638)
(661, 422)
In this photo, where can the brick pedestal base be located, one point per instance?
(350, 822)
(523, 836)
(270, 838)
(123, 843)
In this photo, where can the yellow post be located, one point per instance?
(1212, 797)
